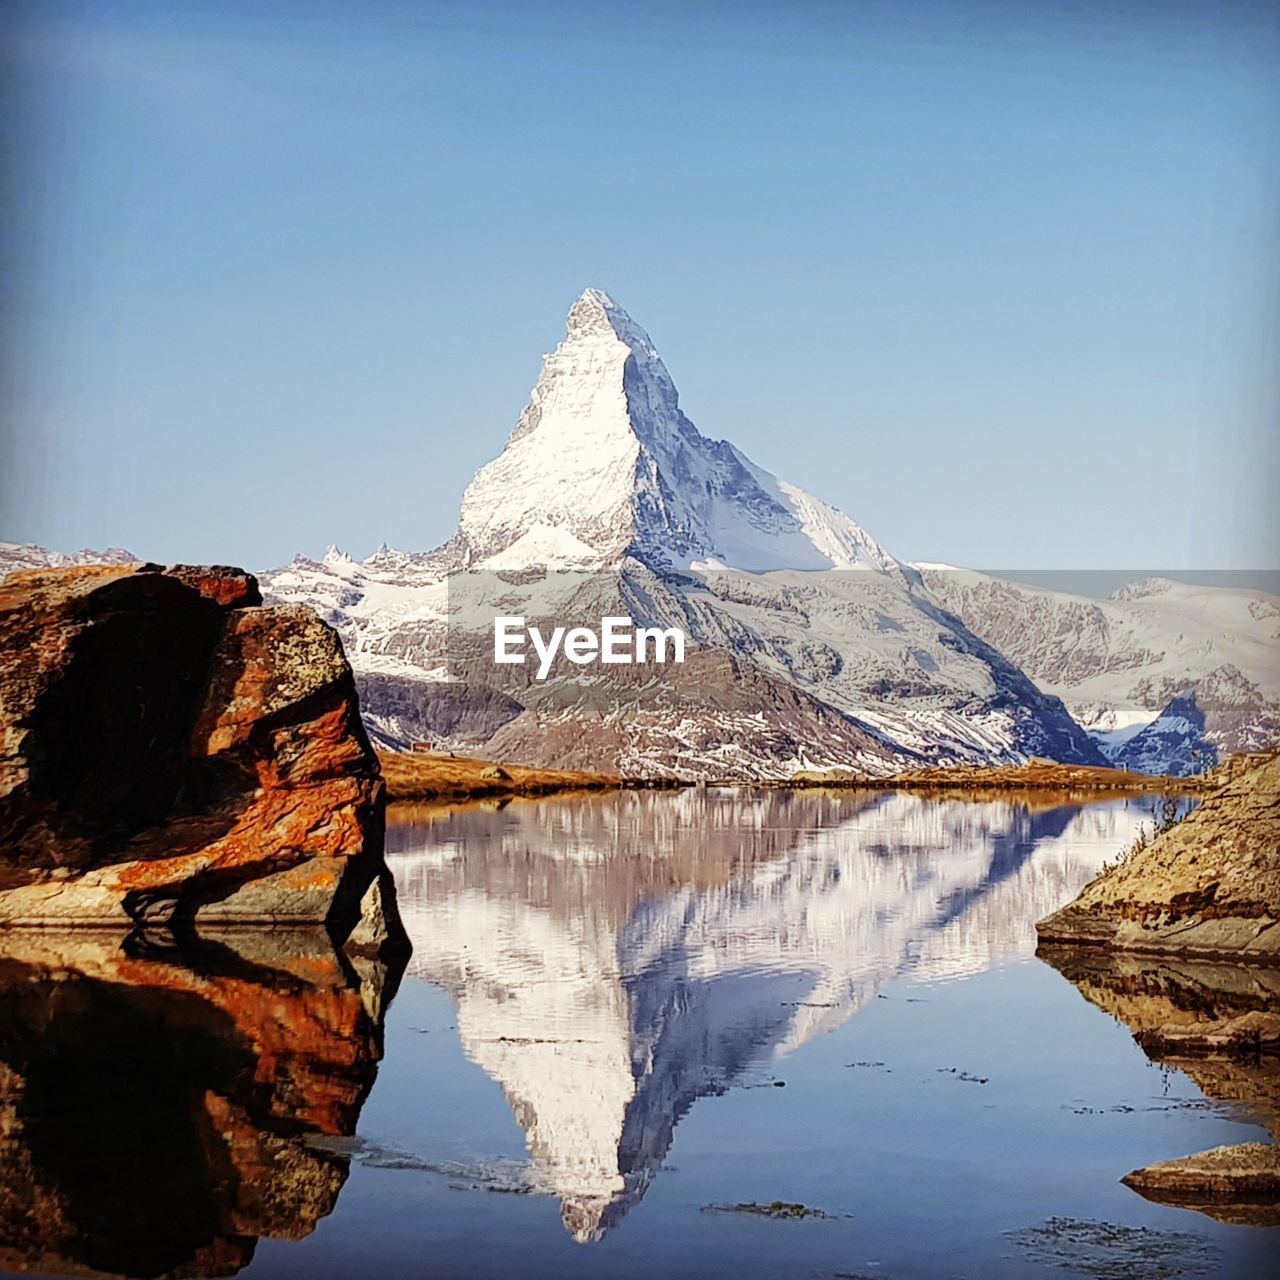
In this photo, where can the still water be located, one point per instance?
(625, 1018)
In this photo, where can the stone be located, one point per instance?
(1238, 1184)
(1208, 887)
(373, 926)
(172, 751)
(224, 585)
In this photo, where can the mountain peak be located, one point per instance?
(603, 464)
(1141, 590)
(596, 315)
(593, 302)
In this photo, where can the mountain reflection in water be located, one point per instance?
(615, 958)
(158, 1098)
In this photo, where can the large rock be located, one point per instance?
(1238, 1184)
(1208, 887)
(171, 751)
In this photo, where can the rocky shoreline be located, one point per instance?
(1180, 941)
(1209, 887)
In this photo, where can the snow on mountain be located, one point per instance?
(602, 463)
(26, 555)
(813, 646)
(1165, 676)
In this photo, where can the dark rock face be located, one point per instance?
(400, 711)
(165, 1103)
(1222, 712)
(171, 751)
(751, 721)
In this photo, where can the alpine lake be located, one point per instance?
(722, 1032)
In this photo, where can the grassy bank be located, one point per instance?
(1035, 776)
(412, 776)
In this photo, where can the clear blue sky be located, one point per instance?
(999, 280)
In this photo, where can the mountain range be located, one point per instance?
(810, 645)
(1166, 677)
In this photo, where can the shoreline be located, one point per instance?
(428, 778)
(1036, 775)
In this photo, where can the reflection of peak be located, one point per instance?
(607, 985)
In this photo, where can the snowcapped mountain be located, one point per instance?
(1165, 676)
(812, 646)
(603, 464)
(26, 555)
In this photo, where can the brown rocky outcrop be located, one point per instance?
(1238, 1184)
(167, 1101)
(172, 751)
(1209, 887)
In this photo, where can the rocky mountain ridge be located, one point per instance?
(1167, 677)
(812, 646)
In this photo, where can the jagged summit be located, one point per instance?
(791, 669)
(596, 314)
(603, 464)
(1147, 588)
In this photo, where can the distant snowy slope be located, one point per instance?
(26, 555)
(1166, 676)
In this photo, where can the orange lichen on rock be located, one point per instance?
(172, 750)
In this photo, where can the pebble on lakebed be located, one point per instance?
(1111, 1251)
(781, 1209)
